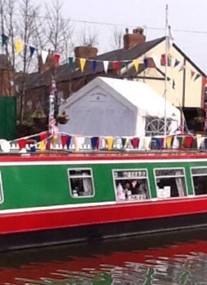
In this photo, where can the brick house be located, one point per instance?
(185, 81)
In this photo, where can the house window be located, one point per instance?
(170, 183)
(131, 184)
(81, 182)
(199, 178)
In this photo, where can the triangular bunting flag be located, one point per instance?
(192, 73)
(4, 39)
(31, 50)
(166, 60)
(169, 141)
(43, 136)
(163, 59)
(109, 142)
(42, 145)
(71, 62)
(44, 55)
(64, 140)
(22, 143)
(106, 65)
(54, 140)
(123, 142)
(93, 65)
(176, 63)
(145, 63)
(197, 76)
(135, 63)
(82, 64)
(182, 68)
(18, 46)
(135, 142)
(116, 65)
(126, 63)
(57, 58)
(68, 142)
(95, 142)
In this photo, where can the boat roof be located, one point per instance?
(98, 155)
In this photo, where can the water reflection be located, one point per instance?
(173, 258)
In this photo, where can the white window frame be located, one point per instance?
(81, 176)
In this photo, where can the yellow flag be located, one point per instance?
(135, 63)
(42, 145)
(169, 141)
(54, 140)
(110, 142)
(82, 63)
(18, 46)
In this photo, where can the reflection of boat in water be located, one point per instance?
(139, 257)
(75, 196)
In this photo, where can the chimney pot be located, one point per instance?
(135, 38)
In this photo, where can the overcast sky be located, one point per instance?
(187, 18)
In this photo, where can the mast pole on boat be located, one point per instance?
(166, 63)
(51, 116)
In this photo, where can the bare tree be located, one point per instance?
(89, 38)
(58, 30)
(117, 38)
(21, 19)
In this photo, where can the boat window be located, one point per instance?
(81, 182)
(199, 178)
(131, 184)
(170, 182)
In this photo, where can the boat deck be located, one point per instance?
(124, 154)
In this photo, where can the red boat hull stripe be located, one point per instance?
(54, 219)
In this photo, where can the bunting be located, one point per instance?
(135, 63)
(57, 58)
(116, 65)
(4, 40)
(93, 65)
(77, 143)
(106, 65)
(82, 63)
(31, 50)
(71, 62)
(18, 46)
(44, 55)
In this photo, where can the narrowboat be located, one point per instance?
(62, 196)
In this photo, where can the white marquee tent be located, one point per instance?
(114, 107)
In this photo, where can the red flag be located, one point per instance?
(64, 140)
(116, 65)
(57, 58)
(22, 143)
(43, 136)
(135, 142)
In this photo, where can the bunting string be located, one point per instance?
(159, 60)
(45, 141)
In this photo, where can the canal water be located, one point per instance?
(171, 258)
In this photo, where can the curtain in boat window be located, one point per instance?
(180, 183)
(87, 186)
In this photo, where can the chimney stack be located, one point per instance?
(49, 63)
(85, 52)
(133, 39)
